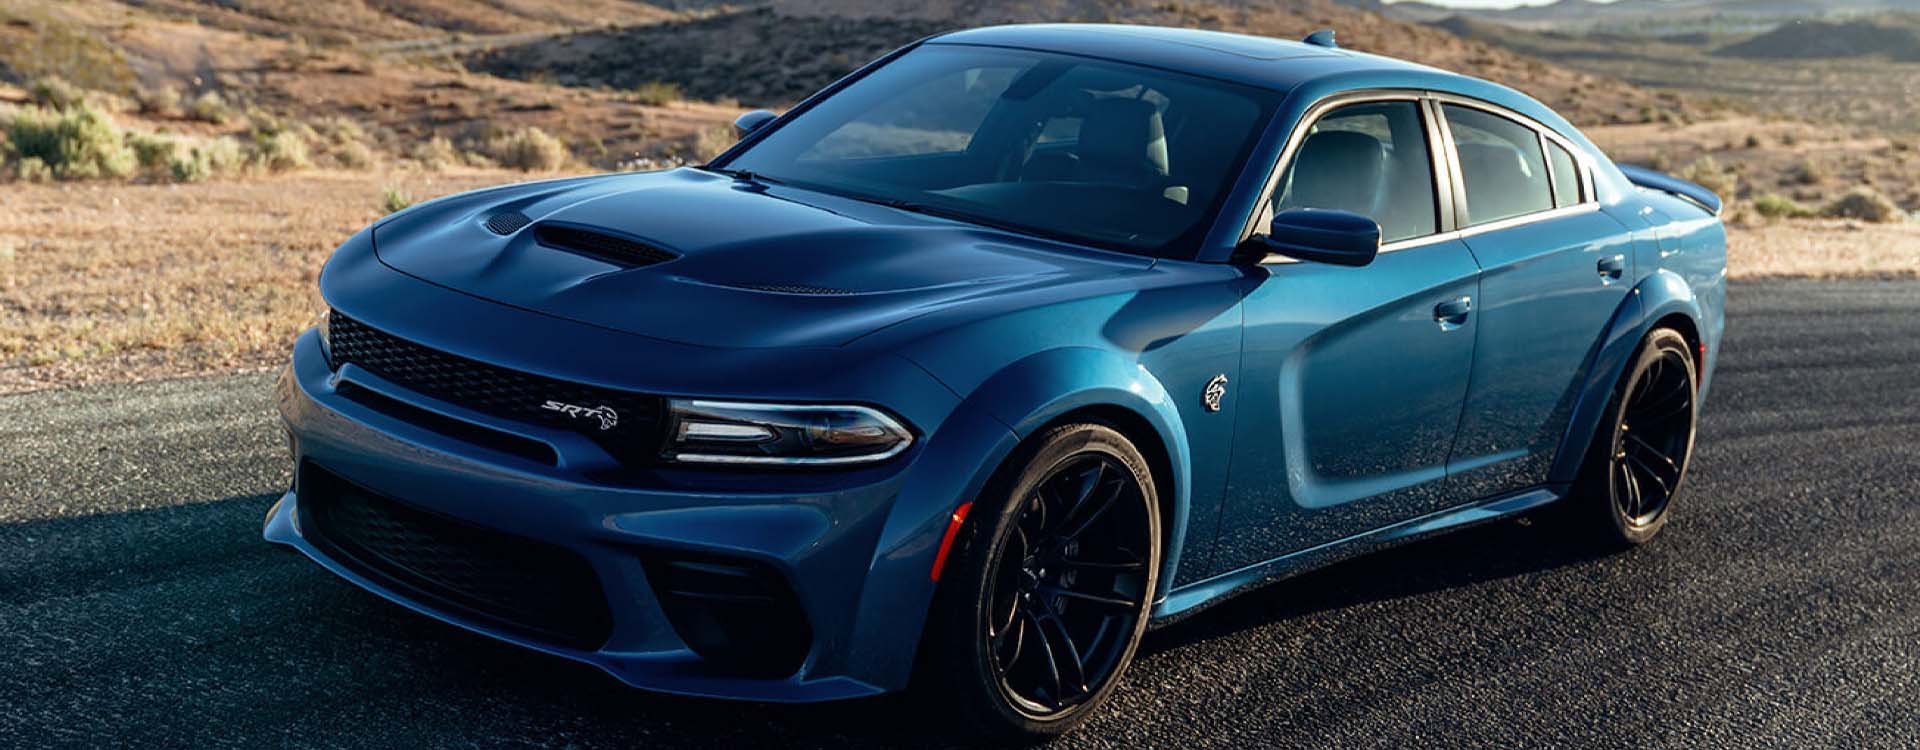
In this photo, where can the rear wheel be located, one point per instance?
(1638, 461)
(1042, 604)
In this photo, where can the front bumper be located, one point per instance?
(853, 546)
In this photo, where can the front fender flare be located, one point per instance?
(963, 456)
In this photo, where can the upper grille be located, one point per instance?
(532, 587)
(509, 394)
(604, 246)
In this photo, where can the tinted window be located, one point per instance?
(1501, 164)
(1566, 176)
(1371, 159)
(938, 116)
(1094, 151)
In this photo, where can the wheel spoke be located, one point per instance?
(1631, 490)
(1075, 676)
(1122, 566)
(1665, 491)
(1018, 631)
(1053, 662)
(1094, 509)
(1111, 602)
(1641, 450)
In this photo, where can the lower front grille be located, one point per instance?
(534, 588)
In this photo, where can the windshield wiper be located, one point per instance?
(740, 174)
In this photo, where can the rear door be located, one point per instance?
(1554, 271)
(1354, 377)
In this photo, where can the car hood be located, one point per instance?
(753, 265)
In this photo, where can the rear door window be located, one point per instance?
(1501, 164)
(1567, 179)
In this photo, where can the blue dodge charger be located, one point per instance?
(969, 368)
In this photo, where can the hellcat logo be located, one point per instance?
(1216, 390)
(607, 416)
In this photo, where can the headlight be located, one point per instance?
(723, 432)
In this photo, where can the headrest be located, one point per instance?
(1341, 170)
(1123, 140)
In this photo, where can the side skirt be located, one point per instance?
(1195, 597)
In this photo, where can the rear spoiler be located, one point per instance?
(1670, 184)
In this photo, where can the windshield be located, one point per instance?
(1109, 154)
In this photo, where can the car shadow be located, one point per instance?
(1501, 549)
(179, 626)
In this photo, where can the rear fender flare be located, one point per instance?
(1661, 294)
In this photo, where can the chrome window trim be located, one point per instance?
(1449, 185)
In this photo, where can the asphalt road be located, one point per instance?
(139, 608)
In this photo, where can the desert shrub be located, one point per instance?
(434, 153)
(393, 199)
(210, 107)
(1864, 204)
(1753, 140)
(354, 155)
(528, 149)
(708, 143)
(160, 102)
(280, 150)
(32, 169)
(53, 92)
(1807, 172)
(206, 159)
(1708, 173)
(478, 160)
(657, 93)
(154, 153)
(1774, 206)
(75, 144)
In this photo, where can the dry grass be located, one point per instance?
(115, 281)
(1824, 249)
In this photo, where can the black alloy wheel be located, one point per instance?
(1045, 600)
(1639, 459)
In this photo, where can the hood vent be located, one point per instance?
(817, 291)
(507, 223)
(607, 247)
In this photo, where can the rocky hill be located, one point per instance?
(774, 53)
(1895, 37)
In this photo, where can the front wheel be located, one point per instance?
(1042, 605)
(1638, 461)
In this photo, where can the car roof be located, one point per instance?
(1240, 58)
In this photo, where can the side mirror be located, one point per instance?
(1342, 238)
(751, 121)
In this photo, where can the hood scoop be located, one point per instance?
(612, 248)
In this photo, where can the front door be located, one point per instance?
(1354, 377)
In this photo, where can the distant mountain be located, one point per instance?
(1579, 13)
(1895, 36)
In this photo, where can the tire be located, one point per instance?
(1018, 597)
(1637, 465)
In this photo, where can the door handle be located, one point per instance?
(1613, 267)
(1452, 314)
